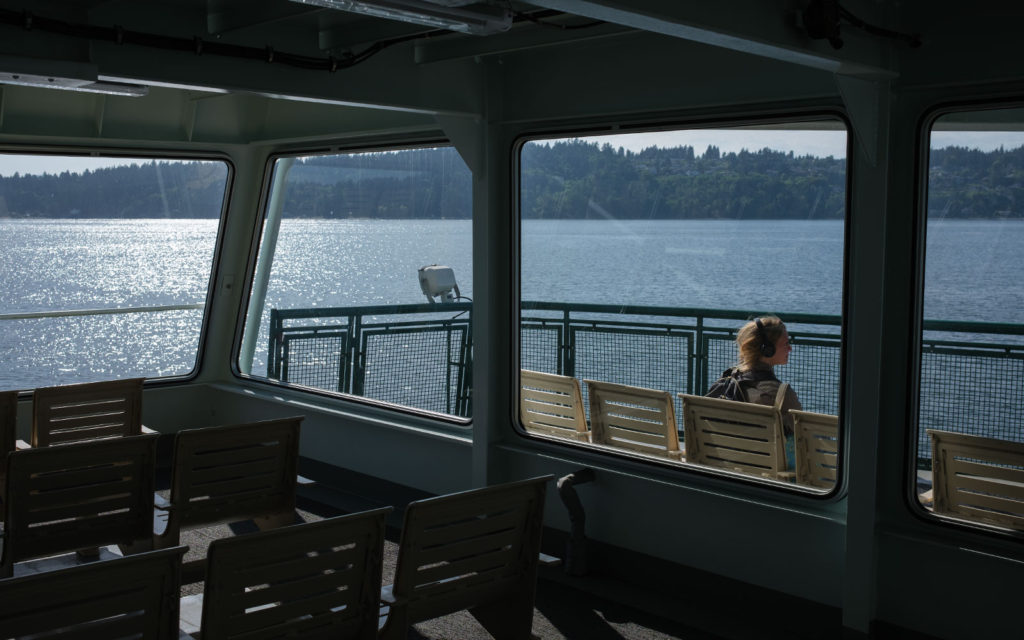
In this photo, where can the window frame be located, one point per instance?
(648, 463)
(927, 122)
(159, 155)
(436, 421)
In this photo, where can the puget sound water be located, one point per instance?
(785, 266)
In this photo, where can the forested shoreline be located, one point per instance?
(562, 180)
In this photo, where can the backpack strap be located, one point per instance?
(780, 397)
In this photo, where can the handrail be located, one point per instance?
(99, 312)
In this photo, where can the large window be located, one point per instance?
(970, 438)
(363, 283)
(643, 255)
(104, 266)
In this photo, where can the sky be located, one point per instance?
(816, 143)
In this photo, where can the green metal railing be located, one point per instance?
(417, 355)
(421, 356)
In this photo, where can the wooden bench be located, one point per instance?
(230, 473)
(316, 581)
(86, 411)
(816, 443)
(552, 405)
(978, 479)
(78, 496)
(633, 418)
(739, 436)
(131, 597)
(475, 550)
(8, 432)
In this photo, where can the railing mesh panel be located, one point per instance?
(415, 367)
(971, 392)
(539, 346)
(315, 360)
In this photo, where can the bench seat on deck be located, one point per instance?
(316, 581)
(131, 597)
(87, 411)
(79, 496)
(476, 550)
(738, 436)
(227, 474)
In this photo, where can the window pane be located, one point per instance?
(104, 266)
(970, 455)
(644, 254)
(337, 303)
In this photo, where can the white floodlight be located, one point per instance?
(476, 19)
(437, 280)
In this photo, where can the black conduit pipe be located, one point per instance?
(576, 546)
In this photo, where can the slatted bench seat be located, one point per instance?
(978, 479)
(552, 405)
(633, 418)
(316, 581)
(78, 496)
(228, 474)
(131, 597)
(87, 411)
(475, 550)
(738, 436)
(8, 432)
(817, 448)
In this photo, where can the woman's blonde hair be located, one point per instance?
(750, 338)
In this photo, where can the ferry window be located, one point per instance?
(363, 283)
(105, 266)
(644, 256)
(970, 427)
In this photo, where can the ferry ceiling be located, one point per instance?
(232, 70)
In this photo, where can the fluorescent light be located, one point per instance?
(478, 19)
(59, 74)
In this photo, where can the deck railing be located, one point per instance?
(420, 355)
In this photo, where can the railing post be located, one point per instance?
(274, 355)
(698, 377)
(568, 346)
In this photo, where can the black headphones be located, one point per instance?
(767, 346)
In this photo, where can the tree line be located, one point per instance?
(569, 179)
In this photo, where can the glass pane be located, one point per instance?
(643, 258)
(104, 266)
(970, 456)
(363, 284)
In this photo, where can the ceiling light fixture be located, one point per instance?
(62, 74)
(476, 19)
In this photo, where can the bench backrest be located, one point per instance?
(90, 494)
(817, 448)
(978, 478)
(552, 405)
(633, 418)
(131, 597)
(739, 436)
(469, 549)
(317, 581)
(87, 411)
(8, 431)
(232, 473)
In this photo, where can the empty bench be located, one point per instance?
(79, 496)
(475, 550)
(227, 474)
(316, 581)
